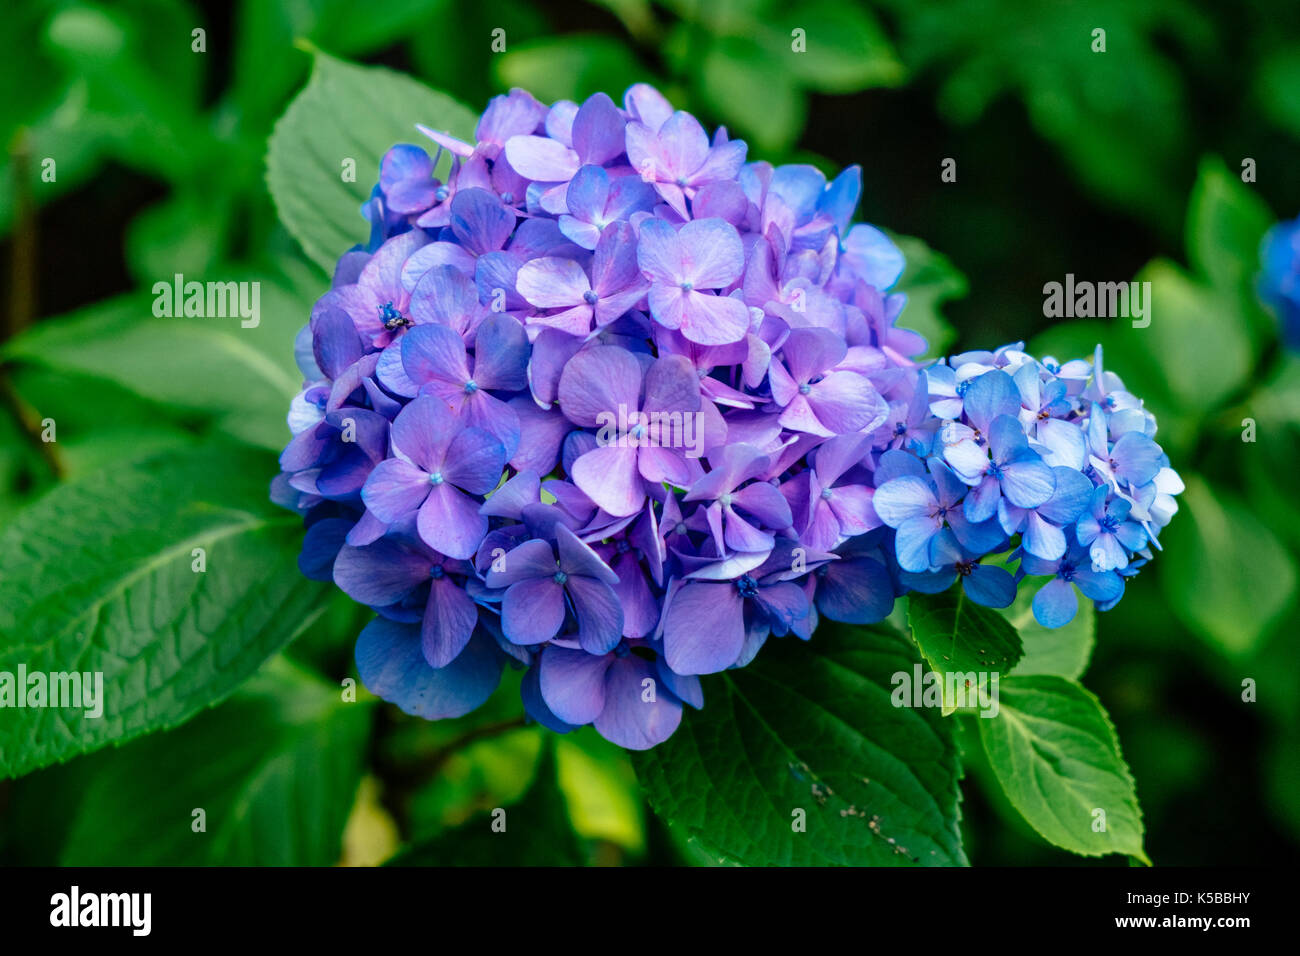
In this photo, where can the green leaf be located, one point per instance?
(98, 577)
(1057, 758)
(929, 279)
(1063, 651)
(729, 71)
(536, 832)
(975, 645)
(1223, 571)
(844, 48)
(801, 758)
(569, 67)
(600, 788)
(346, 112)
(274, 770)
(241, 378)
(1226, 220)
(1278, 87)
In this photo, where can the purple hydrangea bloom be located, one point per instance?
(614, 405)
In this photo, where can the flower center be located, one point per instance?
(726, 500)
(687, 286)
(392, 318)
(1110, 523)
(560, 577)
(747, 586)
(436, 572)
(900, 428)
(964, 568)
(435, 478)
(826, 494)
(471, 387)
(590, 297)
(440, 194)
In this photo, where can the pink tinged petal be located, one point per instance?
(647, 105)
(573, 683)
(495, 417)
(449, 620)
(599, 614)
(550, 283)
(671, 385)
(667, 305)
(659, 253)
(587, 194)
(847, 402)
(541, 159)
(394, 489)
(596, 381)
(704, 628)
(598, 130)
(633, 718)
(658, 465)
(838, 455)
(532, 611)
(823, 530)
(446, 296)
(723, 163)
(712, 253)
(765, 502)
(608, 475)
(713, 319)
(852, 506)
(475, 459)
(435, 353)
(683, 145)
(449, 521)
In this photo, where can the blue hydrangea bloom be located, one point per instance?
(612, 402)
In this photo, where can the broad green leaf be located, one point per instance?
(728, 72)
(98, 576)
(569, 67)
(843, 48)
(600, 789)
(1223, 571)
(347, 117)
(1057, 757)
(242, 378)
(929, 279)
(1063, 651)
(533, 832)
(275, 770)
(970, 647)
(1277, 86)
(801, 758)
(1226, 220)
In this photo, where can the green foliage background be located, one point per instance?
(1116, 165)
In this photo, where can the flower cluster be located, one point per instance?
(616, 405)
(1058, 459)
(1279, 281)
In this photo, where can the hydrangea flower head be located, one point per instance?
(615, 404)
